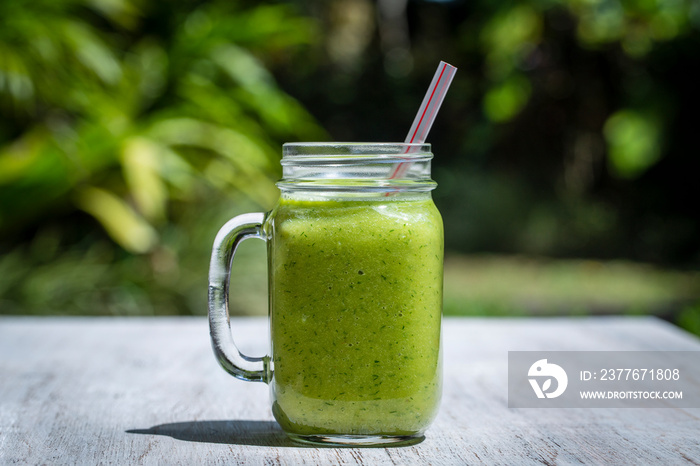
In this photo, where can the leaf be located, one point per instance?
(92, 52)
(121, 222)
(242, 67)
(236, 160)
(232, 144)
(141, 166)
(258, 89)
(14, 77)
(122, 12)
(20, 157)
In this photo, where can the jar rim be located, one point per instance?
(333, 149)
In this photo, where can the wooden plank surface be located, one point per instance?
(148, 391)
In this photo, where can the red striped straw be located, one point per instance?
(427, 112)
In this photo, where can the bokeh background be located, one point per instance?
(566, 149)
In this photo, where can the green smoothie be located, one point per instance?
(355, 304)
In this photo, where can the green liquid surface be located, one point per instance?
(356, 303)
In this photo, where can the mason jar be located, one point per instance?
(355, 270)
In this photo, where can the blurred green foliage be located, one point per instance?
(517, 285)
(568, 130)
(132, 129)
(117, 122)
(157, 121)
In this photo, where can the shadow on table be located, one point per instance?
(236, 432)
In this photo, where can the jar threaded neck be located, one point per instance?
(356, 167)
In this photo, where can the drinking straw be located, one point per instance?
(426, 113)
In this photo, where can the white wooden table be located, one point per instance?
(148, 391)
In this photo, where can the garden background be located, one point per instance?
(565, 152)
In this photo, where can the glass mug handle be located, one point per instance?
(240, 228)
